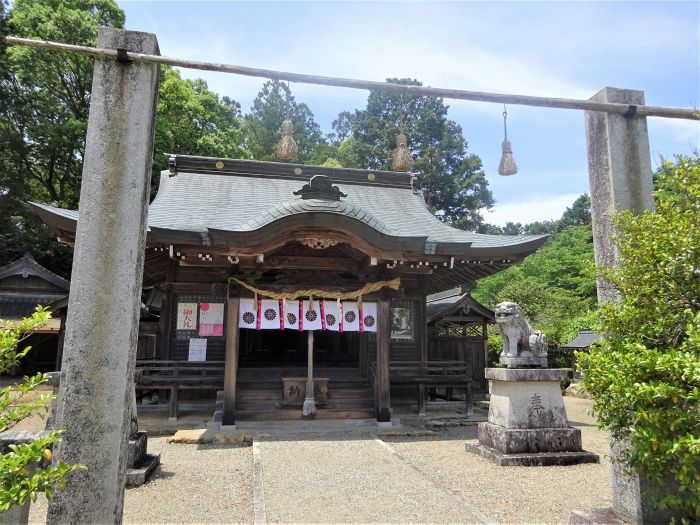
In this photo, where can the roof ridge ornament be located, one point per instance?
(320, 187)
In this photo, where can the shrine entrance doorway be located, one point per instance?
(288, 348)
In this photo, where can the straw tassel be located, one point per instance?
(402, 157)
(507, 165)
(287, 148)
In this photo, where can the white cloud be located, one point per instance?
(542, 208)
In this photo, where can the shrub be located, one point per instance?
(25, 470)
(645, 373)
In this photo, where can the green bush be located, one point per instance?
(645, 372)
(25, 470)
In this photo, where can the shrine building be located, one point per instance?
(294, 290)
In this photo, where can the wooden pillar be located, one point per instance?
(59, 346)
(172, 413)
(422, 337)
(362, 343)
(382, 375)
(167, 312)
(231, 367)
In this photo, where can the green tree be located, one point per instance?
(25, 470)
(645, 373)
(192, 120)
(555, 287)
(271, 107)
(44, 104)
(43, 116)
(578, 214)
(453, 180)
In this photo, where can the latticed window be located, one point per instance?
(446, 329)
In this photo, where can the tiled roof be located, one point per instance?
(17, 304)
(443, 304)
(243, 196)
(26, 265)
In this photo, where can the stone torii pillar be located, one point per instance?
(105, 297)
(619, 167)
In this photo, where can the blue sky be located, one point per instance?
(560, 49)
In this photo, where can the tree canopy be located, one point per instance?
(271, 107)
(453, 180)
(44, 119)
(193, 120)
(555, 286)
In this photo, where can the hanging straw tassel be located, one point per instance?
(507, 165)
(287, 148)
(402, 157)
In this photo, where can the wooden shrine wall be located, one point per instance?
(180, 339)
(407, 326)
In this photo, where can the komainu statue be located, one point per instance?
(522, 346)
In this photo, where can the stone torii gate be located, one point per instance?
(102, 324)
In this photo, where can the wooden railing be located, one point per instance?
(430, 374)
(177, 375)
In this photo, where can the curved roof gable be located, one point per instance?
(202, 198)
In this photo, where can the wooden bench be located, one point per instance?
(178, 375)
(433, 374)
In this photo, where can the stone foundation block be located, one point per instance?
(536, 459)
(138, 443)
(529, 440)
(138, 475)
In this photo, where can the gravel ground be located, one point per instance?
(350, 481)
(330, 480)
(516, 494)
(193, 484)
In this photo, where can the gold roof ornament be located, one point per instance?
(507, 165)
(402, 157)
(287, 148)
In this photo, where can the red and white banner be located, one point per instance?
(331, 315)
(369, 317)
(291, 315)
(186, 316)
(211, 319)
(351, 317)
(248, 314)
(269, 314)
(310, 317)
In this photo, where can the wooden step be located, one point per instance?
(295, 414)
(260, 394)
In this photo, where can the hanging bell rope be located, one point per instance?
(507, 165)
(287, 148)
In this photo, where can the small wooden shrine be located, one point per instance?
(457, 333)
(24, 284)
(299, 289)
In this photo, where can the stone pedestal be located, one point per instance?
(140, 465)
(523, 361)
(527, 423)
